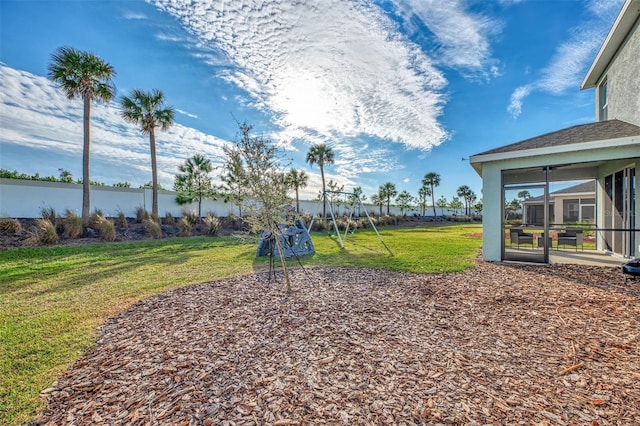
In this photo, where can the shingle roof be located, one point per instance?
(601, 130)
(589, 186)
(581, 188)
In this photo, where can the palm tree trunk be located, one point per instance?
(86, 180)
(433, 202)
(324, 195)
(154, 172)
(297, 201)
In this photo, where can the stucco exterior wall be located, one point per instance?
(623, 81)
(492, 212)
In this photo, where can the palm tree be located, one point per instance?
(149, 111)
(321, 154)
(297, 179)
(376, 200)
(423, 193)
(465, 192)
(524, 195)
(358, 194)
(83, 74)
(388, 191)
(405, 201)
(432, 180)
(194, 182)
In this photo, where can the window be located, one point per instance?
(588, 213)
(571, 211)
(603, 100)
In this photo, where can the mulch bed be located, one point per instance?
(497, 344)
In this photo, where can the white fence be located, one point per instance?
(27, 198)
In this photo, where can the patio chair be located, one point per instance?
(518, 236)
(571, 237)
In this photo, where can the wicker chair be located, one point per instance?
(518, 236)
(571, 237)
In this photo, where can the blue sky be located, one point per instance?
(398, 88)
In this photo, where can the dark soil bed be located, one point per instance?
(134, 231)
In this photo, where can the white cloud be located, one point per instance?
(326, 71)
(462, 36)
(515, 107)
(129, 14)
(55, 126)
(170, 37)
(188, 114)
(572, 58)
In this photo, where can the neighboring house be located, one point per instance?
(576, 204)
(607, 151)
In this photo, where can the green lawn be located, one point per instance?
(53, 299)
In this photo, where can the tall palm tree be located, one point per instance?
(432, 180)
(465, 192)
(149, 111)
(297, 179)
(388, 191)
(85, 75)
(321, 154)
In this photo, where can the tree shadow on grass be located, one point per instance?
(97, 264)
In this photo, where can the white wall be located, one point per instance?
(26, 199)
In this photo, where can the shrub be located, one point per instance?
(191, 216)
(10, 226)
(121, 220)
(169, 219)
(184, 227)
(141, 214)
(320, 224)
(341, 223)
(106, 230)
(212, 224)
(95, 219)
(306, 219)
(49, 213)
(152, 228)
(45, 234)
(234, 222)
(72, 224)
(154, 217)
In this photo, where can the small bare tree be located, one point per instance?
(263, 180)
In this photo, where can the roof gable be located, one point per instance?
(623, 24)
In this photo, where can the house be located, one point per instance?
(575, 204)
(606, 151)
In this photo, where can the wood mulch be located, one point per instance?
(497, 344)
